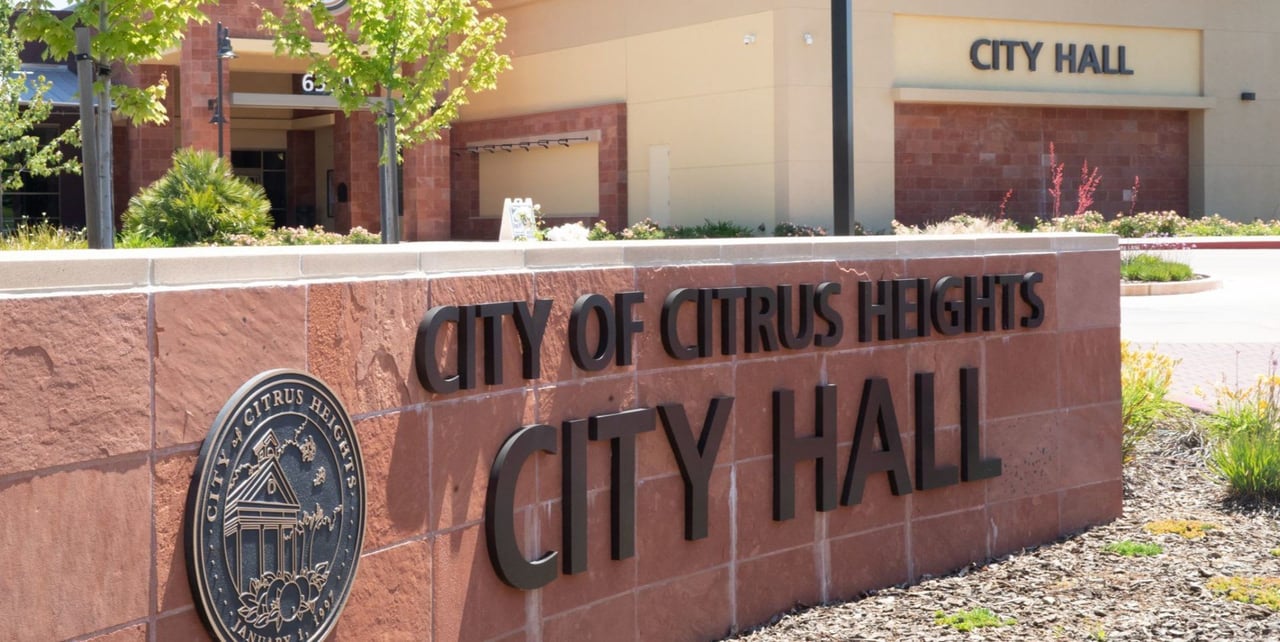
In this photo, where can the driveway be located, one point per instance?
(1229, 336)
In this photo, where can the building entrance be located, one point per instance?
(268, 169)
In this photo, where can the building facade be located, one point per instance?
(621, 110)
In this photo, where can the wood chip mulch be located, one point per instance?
(1075, 590)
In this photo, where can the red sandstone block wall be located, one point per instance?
(108, 396)
(953, 159)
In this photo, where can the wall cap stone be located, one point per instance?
(28, 273)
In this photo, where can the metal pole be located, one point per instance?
(86, 68)
(220, 35)
(106, 163)
(842, 114)
(387, 157)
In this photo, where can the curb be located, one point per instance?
(1173, 287)
(1203, 243)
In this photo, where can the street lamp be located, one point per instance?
(224, 53)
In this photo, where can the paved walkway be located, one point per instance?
(1229, 336)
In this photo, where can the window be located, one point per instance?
(37, 200)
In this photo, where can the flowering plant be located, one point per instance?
(568, 232)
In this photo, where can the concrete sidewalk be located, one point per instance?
(1229, 336)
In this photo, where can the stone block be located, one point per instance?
(210, 342)
(74, 376)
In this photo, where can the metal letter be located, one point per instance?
(627, 326)
(620, 429)
(972, 466)
(670, 325)
(499, 517)
(928, 474)
(424, 349)
(532, 327)
(973, 54)
(877, 406)
(582, 353)
(788, 450)
(792, 338)
(696, 460)
(759, 330)
(573, 495)
(491, 314)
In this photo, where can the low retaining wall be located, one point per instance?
(998, 429)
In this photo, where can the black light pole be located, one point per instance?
(842, 114)
(224, 53)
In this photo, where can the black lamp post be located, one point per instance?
(224, 53)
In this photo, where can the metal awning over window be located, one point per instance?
(64, 88)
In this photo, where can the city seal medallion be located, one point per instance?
(275, 514)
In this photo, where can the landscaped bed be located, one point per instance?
(1196, 555)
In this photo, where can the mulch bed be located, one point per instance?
(1074, 590)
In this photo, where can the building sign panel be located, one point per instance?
(760, 319)
(276, 511)
(966, 53)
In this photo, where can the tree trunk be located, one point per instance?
(387, 177)
(106, 211)
(86, 68)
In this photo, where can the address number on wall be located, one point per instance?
(313, 86)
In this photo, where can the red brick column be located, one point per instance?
(143, 153)
(355, 164)
(300, 163)
(197, 85)
(426, 191)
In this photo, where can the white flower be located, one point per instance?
(568, 232)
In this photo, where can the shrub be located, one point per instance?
(199, 200)
(787, 228)
(960, 224)
(1148, 224)
(1128, 548)
(600, 232)
(1216, 225)
(1245, 428)
(568, 232)
(1145, 377)
(1091, 222)
(645, 230)
(1250, 409)
(710, 230)
(1149, 268)
(43, 236)
(971, 619)
(305, 236)
(1250, 463)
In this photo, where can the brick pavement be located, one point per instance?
(1203, 368)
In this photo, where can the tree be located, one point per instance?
(21, 149)
(128, 34)
(413, 61)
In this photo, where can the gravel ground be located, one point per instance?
(1075, 590)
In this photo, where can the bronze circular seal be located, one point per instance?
(275, 514)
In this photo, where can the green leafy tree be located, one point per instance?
(413, 61)
(127, 33)
(21, 149)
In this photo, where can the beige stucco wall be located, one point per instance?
(748, 125)
(738, 119)
(565, 181)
